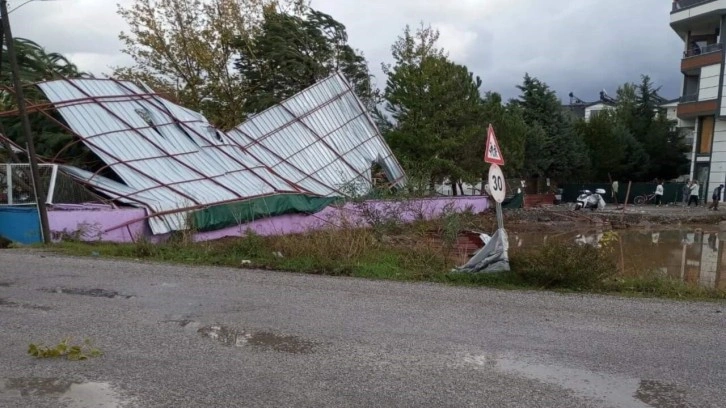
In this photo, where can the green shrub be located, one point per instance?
(143, 248)
(4, 242)
(564, 265)
(250, 246)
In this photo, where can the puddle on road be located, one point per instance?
(73, 394)
(87, 292)
(610, 389)
(692, 255)
(8, 303)
(240, 338)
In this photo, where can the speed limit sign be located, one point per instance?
(497, 189)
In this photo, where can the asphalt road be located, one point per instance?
(176, 336)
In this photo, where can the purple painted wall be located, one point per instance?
(104, 223)
(90, 222)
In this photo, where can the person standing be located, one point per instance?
(716, 198)
(694, 191)
(686, 192)
(614, 191)
(659, 194)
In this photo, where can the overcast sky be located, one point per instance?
(581, 46)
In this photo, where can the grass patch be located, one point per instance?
(420, 251)
(654, 285)
(565, 266)
(73, 352)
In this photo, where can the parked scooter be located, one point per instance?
(587, 199)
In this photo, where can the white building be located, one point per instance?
(701, 109)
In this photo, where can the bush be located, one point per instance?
(565, 265)
(4, 242)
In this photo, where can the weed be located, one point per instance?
(563, 265)
(65, 349)
(250, 246)
(143, 248)
(652, 284)
(4, 242)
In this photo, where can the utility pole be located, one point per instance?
(35, 174)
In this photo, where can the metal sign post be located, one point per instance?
(497, 189)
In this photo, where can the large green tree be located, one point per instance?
(662, 145)
(511, 131)
(292, 51)
(552, 147)
(436, 110)
(613, 150)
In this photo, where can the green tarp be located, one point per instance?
(227, 215)
(516, 201)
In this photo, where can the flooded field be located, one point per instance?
(694, 255)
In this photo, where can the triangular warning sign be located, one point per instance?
(493, 154)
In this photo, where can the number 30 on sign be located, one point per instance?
(497, 187)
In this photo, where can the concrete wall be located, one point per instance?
(709, 82)
(103, 223)
(90, 222)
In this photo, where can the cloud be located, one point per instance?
(574, 45)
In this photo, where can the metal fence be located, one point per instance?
(16, 183)
(16, 186)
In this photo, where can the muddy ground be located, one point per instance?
(615, 217)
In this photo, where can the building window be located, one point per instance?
(705, 134)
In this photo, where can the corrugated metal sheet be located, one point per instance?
(320, 141)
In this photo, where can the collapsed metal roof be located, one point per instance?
(171, 160)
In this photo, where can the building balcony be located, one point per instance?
(702, 51)
(690, 107)
(680, 5)
(695, 58)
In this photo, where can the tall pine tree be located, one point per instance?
(558, 151)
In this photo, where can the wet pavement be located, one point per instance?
(72, 394)
(177, 336)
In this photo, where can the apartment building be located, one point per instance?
(702, 108)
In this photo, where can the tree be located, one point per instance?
(293, 51)
(667, 149)
(185, 50)
(661, 146)
(613, 150)
(38, 65)
(436, 110)
(557, 149)
(511, 131)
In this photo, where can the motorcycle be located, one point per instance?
(587, 199)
